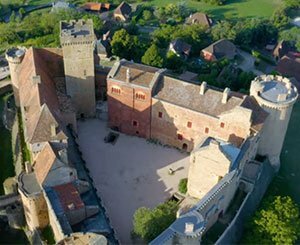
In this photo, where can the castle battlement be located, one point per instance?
(274, 92)
(77, 32)
(15, 55)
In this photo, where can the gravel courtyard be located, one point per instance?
(129, 174)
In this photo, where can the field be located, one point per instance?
(234, 9)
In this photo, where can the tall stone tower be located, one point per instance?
(14, 57)
(77, 41)
(276, 95)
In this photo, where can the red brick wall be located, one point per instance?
(124, 109)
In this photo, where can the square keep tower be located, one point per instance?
(77, 40)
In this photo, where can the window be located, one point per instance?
(135, 123)
(206, 130)
(140, 96)
(84, 72)
(160, 114)
(222, 125)
(189, 124)
(115, 90)
(137, 132)
(179, 136)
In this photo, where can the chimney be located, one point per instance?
(53, 130)
(203, 88)
(225, 95)
(28, 167)
(128, 75)
(189, 228)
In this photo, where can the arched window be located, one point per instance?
(140, 96)
(115, 90)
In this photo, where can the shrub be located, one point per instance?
(182, 187)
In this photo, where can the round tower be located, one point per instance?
(14, 57)
(276, 95)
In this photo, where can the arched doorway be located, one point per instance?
(184, 147)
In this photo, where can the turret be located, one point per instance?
(15, 57)
(276, 95)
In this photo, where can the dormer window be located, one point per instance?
(53, 130)
(115, 90)
(140, 96)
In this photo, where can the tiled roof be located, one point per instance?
(222, 48)
(259, 115)
(181, 47)
(92, 6)
(187, 95)
(69, 197)
(38, 93)
(289, 65)
(199, 18)
(141, 75)
(123, 9)
(44, 163)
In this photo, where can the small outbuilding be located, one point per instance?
(289, 65)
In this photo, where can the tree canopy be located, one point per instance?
(153, 57)
(149, 223)
(278, 222)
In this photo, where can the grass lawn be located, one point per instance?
(234, 9)
(287, 181)
(6, 160)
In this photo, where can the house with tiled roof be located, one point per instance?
(218, 50)
(180, 48)
(199, 19)
(122, 12)
(289, 65)
(96, 7)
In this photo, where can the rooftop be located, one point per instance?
(141, 75)
(28, 183)
(77, 28)
(188, 95)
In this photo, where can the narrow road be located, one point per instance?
(248, 63)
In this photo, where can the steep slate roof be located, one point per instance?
(141, 75)
(39, 96)
(123, 9)
(222, 48)
(187, 95)
(199, 18)
(181, 47)
(289, 65)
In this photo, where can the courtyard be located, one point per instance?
(130, 173)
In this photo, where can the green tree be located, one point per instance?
(292, 35)
(223, 30)
(149, 223)
(280, 18)
(173, 61)
(292, 3)
(12, 17)
(153, 57)
(22, 12)
(147, 15)
(125, 46)
(278, 222)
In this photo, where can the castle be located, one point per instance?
(223, 130)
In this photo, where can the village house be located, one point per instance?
(289, 65)
(122, 12)
(96, 7)
(282, 49)
(218, 50)
(180, 48)
(199, 19)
